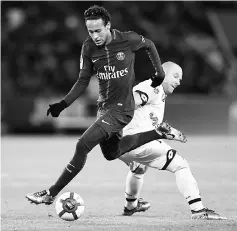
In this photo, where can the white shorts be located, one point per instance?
(148, 154)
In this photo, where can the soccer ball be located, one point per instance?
(69, 206)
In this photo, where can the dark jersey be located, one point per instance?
(113, 65)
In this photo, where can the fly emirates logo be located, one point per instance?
(111, 73)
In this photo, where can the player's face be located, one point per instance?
(99, 32)
(171, 81)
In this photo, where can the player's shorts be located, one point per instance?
(150, 154)
(113, 121)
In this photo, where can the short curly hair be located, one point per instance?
(97, 12)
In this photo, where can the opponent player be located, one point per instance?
(110, 55)
(157, 154)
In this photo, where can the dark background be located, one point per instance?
(41, 44)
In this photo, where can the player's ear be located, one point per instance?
(108, 26)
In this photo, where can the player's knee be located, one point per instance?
(81, 147)
(111, 155)
(92, 136)
(174, 162)
(177, 163)
(168, 158)
(79, 159)
(109, 158)
(110, 148)
(140, 170)
(138, 175)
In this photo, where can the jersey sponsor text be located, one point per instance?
(110, 73)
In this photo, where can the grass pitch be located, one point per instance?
(32, 164)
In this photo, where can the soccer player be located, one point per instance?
(157, 154)
(109, 54)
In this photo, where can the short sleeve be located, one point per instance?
(146, 92)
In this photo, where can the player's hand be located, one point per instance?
(56, 108)
(156, 80)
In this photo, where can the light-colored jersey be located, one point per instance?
(152, 109)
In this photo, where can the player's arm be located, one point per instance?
(138, 42)
(78, 88)
(141, 98)
(143, 93)
(83, 79)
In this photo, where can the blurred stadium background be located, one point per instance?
(41, 43)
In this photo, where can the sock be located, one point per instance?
(130, 142)
(134, 184)
(187, 185)
(90, 138)
(71, 170)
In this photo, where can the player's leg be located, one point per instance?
(134, 182)
(161, 156)
(135, 177)
(185, 180)
(186, 183)
(90, 138)
(138, 161)
(156, 154)
(94, 135)
(188, 186)
(116, 146)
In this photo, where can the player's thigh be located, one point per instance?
(110, 146)
(93, 135)
(151, 150)
(145, 156)
(113, 121)
(135, 167)
(147, 153)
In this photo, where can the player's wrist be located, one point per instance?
(156, 80)
(63, 104)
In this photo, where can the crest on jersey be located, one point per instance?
(120, 56)
(156, 90)
(153, 118)
(163, 97)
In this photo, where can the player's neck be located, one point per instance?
(110, 38)
(164, 89)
